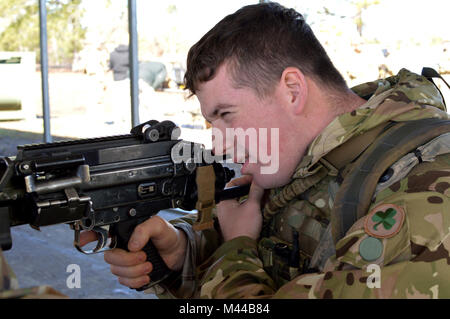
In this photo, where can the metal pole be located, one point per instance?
(134, 70)
(44, 69)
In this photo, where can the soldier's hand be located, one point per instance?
(131, 267)
(244, 219)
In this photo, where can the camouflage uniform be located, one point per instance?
(405, 232)
(9, 286)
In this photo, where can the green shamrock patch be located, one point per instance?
(385, 218)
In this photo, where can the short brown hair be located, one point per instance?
(260, 41)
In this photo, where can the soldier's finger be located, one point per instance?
(132, 271)
(233, 203)
(243, 180)
(87, 237)
(227, 205)
(120, 257)
(134, 282)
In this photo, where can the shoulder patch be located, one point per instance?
(384, 221)
(370, 249)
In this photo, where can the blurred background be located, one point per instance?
(366, 39)
(89, 88)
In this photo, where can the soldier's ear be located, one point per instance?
(295, 89)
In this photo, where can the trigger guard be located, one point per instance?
(102, 240)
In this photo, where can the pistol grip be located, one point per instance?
(160, 270)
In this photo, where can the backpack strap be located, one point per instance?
(342, 155)
(354, 195)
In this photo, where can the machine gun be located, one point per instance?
(108, 185)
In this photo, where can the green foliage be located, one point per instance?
(64, 30)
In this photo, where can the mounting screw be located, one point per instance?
(132, 212)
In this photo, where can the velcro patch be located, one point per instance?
(384, 221)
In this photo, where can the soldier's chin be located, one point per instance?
(265, 178)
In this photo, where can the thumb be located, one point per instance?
(151, 228)
(233, 203)
(239, 181)
(256, 193)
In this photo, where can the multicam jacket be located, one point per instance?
(399, 249)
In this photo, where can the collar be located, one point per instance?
(404, 97)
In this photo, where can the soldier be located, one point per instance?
(262, 67)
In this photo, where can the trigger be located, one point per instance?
(102, 240)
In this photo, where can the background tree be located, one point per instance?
(19, 28)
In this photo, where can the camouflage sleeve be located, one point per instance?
(408, 279)
(201, 244)
(400, 249)
(235, 271)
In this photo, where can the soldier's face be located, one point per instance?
(256, 132)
